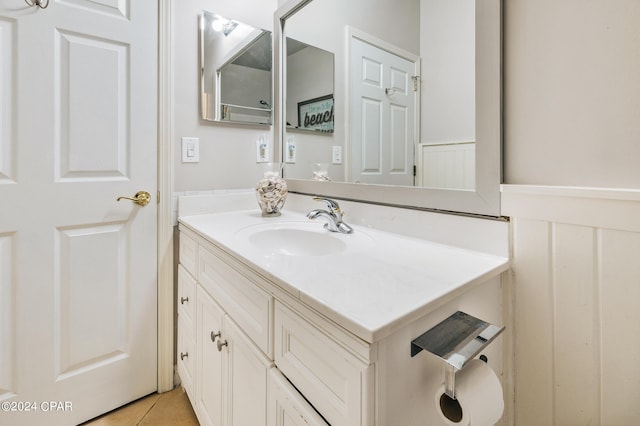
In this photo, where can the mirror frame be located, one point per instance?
(485, 200)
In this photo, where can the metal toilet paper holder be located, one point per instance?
(456, 341)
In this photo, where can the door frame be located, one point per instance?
(165, 190)
(354, 33)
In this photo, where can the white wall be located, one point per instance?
(245, 86)
(448, 86)
(227, 151)
(572, 117)
(572, 92)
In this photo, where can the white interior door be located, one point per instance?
(78, 128)
(383, 101)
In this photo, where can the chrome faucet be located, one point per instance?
(333, 214)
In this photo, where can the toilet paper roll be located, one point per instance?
(479, 400)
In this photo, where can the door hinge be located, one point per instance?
(158, 197)
(416, 79)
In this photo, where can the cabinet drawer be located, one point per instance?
(189, 254)
(287, 406)
(329, 376)
(186, 295)
(249, 306)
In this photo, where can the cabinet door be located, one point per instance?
(186, 354)
(186, 294)
(247, 369)
(209, 376)
(250, 306)
(286, 407)
(328, 375)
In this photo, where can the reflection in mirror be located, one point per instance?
(236, 61)
(309, 87)
(310, 112)
(417, 96)
(406, 127)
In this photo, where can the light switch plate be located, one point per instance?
(262, 150)
(190, 150)
(336, 157)
(291, 150)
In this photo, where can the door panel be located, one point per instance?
(117, 8)
(400, 147)
(383, 101)
(93, 140)
(91, 296)
(370, 161)
(7, 99)
(7, 321)
(77, 267)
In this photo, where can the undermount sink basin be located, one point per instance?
(299, 239)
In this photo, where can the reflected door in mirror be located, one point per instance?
(383, 113)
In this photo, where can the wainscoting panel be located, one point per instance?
(448, 165)
(576, 295)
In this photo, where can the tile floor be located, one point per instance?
(170, 409)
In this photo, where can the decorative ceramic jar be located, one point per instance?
(271, 190)
(321, 172)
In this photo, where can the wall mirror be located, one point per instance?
(236, 71)
(310, 81)
(417, 102)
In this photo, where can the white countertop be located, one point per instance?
(381, 282)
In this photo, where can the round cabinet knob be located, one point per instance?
(184, 299)
(214, 335)
(184, 355)
(221, 344)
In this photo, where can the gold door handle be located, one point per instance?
(141, 198)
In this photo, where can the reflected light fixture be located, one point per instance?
(223, 25)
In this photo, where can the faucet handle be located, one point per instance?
(332, 205)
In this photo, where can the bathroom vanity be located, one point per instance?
(281, 322)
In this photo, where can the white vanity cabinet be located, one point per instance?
(224, 329)
(232, 371)
(186, 301)
(267, 353)
(242, 323)
(226, 339)
(186, 328)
